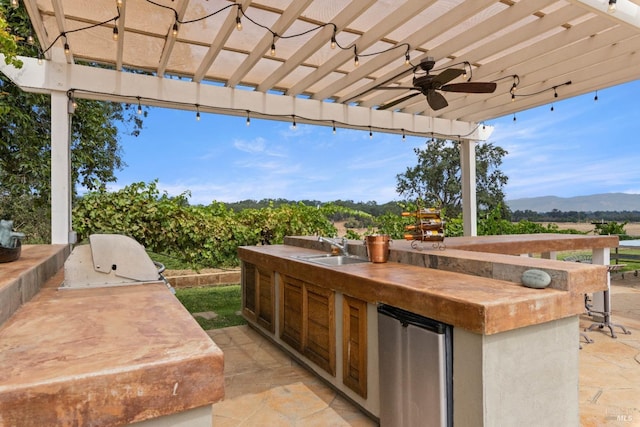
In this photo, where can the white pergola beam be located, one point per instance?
(109, 85)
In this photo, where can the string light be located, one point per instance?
(233, 111)
(248, 119)
(404, 138)
(407, 58)
(514, 117)
(240, 13)
(67, 50)
(595, 98)
(238, 21)
(115, 33)
(273, 46)
(612, 6)
(356, 61)
(197, 112)
(14, 4)
(30, 40)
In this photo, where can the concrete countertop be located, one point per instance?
(104, 356)
(479, 304)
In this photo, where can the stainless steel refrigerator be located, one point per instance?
(416, 369)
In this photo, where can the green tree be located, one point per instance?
(25, 141)
(436, 179)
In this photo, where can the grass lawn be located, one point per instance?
(226, 301)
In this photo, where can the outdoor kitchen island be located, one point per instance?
(515, 349)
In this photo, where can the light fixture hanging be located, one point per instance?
(30, 40)
(248, 118)
(333, 39)
(334, 126)
(119, 3)
(139, 106)
(14, 4)
(115, 33)
(174, 31)
(514, 117)
(67, 49)
(238, 21)
(273, 46)
(407, 58)
(356, 61)
(197, 112)
(404, 138)
(294, 126)
(612, 6)
(595, 98)
(370, 133)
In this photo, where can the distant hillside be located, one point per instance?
(595, 202)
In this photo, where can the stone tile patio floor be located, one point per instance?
(264, 386)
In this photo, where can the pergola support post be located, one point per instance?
(60, 169)
(469, 205)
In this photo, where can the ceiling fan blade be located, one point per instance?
(470, 87)
(397, 101)
(436, 100)
(446, 76)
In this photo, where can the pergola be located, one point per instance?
(325, 62)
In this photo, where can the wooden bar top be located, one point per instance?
(531, 243)
(104, 356)
(479, 304)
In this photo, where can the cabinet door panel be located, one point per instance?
(249, 290)
(320, 330)
(354, 345)
(265, 299)
(291, 313)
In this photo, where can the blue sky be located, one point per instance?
(582, 147)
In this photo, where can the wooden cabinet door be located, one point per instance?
(265, 299)
(249, 291)
(291, 312)
(354, 345)
(319, 327)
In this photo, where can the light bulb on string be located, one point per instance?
(238, 21)
(174, 31)
(294, 125)
(514, 117)
(248, 119)
(370, 133)
(30, 40)
(551, 107)
(334, 127)
(595, 98)
(197, 112)
(612, 6)
(139, 106)
(404, 137)
(333, 40)
(115, 33)
(67, 49)
(273, 49)
(119, 3)
(407, 58)
(14, 4)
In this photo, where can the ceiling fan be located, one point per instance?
(430, 85)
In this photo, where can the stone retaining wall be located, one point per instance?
(192, 280)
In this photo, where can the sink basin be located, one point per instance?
(333, 260)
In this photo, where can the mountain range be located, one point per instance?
(593, 203)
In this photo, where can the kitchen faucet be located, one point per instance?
(342, 246)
